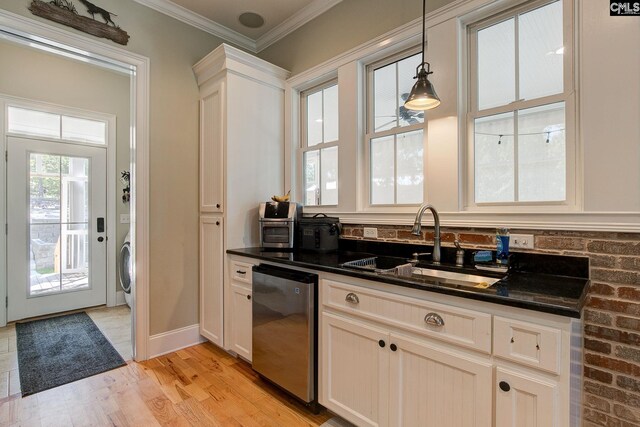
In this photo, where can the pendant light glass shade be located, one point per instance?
(423, 95)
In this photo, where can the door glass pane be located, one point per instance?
(494, 159)
(44, 188)
(74, 256)
(75, 194)
(59, 223)
(410, 175)
(84, 130)
(312, 178)
(329, 166)
(496, 65)
(330, 120)
(44, 257)
(314, 119)
(542, 153)
(541, 51)
(32, 122)
(382, 170)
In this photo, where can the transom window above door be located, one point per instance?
(29, 122)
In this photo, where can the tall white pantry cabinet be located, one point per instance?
(241, 165)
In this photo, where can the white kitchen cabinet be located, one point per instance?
(356, 375)
(241, 320)
(431, 386)
(211, 278)
(443, 374)
(211, 144)
(525, 400)
(241, 163)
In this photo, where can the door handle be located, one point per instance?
(100, 239)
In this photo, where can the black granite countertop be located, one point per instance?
(545, 283)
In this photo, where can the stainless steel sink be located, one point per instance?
(445, 277)
(401, 268)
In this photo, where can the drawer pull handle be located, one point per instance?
(434, 319)
(241, 272)
(352, 298)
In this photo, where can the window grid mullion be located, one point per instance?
(322, 113)
(319, 191)
(395, 169)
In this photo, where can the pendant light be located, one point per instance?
(423, 95)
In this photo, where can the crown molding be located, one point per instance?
(198, 21)
(295, 21)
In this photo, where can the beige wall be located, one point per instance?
(343, 27)
(173, 47)
(36, 75)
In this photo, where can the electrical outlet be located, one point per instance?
(124, 218)
(522, 241)
(371, 233)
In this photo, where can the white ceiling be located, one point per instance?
(220, 17)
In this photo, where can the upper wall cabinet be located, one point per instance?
(241, 138)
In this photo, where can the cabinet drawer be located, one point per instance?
(532, 345)
(463, 327)
(241, 272)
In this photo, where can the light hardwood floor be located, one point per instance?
(197, 386)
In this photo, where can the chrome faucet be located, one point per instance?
(436, 231)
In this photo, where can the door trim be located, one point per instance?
(73, 44)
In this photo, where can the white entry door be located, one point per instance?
(56, 207)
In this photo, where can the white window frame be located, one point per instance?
(568, 96)
(398, 130)
(304, 147)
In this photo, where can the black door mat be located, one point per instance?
(60, 350)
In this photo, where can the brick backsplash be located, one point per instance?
(611, 316)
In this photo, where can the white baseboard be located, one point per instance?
(174, 340)
(120, 298)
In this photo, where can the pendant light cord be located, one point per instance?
(424, 30)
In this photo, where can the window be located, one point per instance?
(394, 135)
(320, 145)
(57, 126)
(518, 116)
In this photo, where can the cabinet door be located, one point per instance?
(354, 374)
(241, 320)
(212, 121)
(525, 400)
(434, 387)
(211, 279)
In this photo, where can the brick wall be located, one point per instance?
(611, 317)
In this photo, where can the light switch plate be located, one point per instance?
(124, 218)
(522, 241)
(371, 233)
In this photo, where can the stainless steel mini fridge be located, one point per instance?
(284, 329)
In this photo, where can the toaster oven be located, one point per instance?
(278, 224)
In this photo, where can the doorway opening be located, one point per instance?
(71, 271)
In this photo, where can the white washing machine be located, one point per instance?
(125, 269)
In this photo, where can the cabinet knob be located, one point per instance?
(352, 298)
(217, 222)
(381, 343)
(504, 386)
(248, 296)
(434, 319)
(218, 205)
(393, 347)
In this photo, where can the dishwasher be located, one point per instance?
(285, 330)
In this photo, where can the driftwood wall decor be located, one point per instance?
(65, 12)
